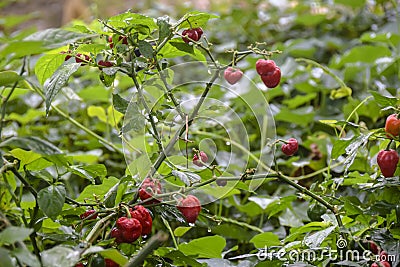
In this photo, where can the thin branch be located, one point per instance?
(168, 89)
(109, 145)
(178, 134)
(25, 182)
(166, 223)
(98, 227)
(155, 241)
(154, 131)
(7, 98)
(232, 221)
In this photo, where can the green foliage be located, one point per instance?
(78, 135)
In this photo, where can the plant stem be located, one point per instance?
(232, 221)
(287, 179)
(20, 243)
(102, 140)
(175, 138)
(154, 242)
(302, 177)
(94, 233)
(25, 182)
(105, 142)
(351, 114)
(5, 100)
(328, 71)
(154, 132)
(196, 109)
(168, 89)
(11, 167)
(166, 223)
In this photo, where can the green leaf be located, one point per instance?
(97, 190)
(164, 28)
(27, 117)
(181, 230)
(95, 93)
(186, 177)
(60, 160)
(105, 78)
(5, 258)
(32, 143)
(352, 205)
(145, 49)
(134, 119)
(92, 250)
(231, 231)
(351, 150)
(341, 92)
(355, 178)
(204, 247)
(38, 165)
(310, 19)
(51, 200)
(111, 196)
(169, 51)
(170, 213)
(263, 202)
(302, 116)
(57, 81)
(279, 205)
(14, 234)
(266, 239)
(143, 164)
(138, 22)
(390, 38)
(60, 256)
(299, 100)
(90, 172)
(315, 240)
(303, 48)
(115, 255)
(232, 188)
(25, 157)
(251, 209)
(91, 48)
(351, 3)
(180, 259)
(56, 37)
(57, 237)
(80, 28)
(120, 103)
(196, 19)
(18, 49)
(10, 21)
(384, 101)
(110, 116)
(39, 42)
(47, 65)
(178, 48)
(182, 46)
(9, 77)
(358, 54)
(312, 226)
(25, 257)
(97, 111)
(339, 147)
